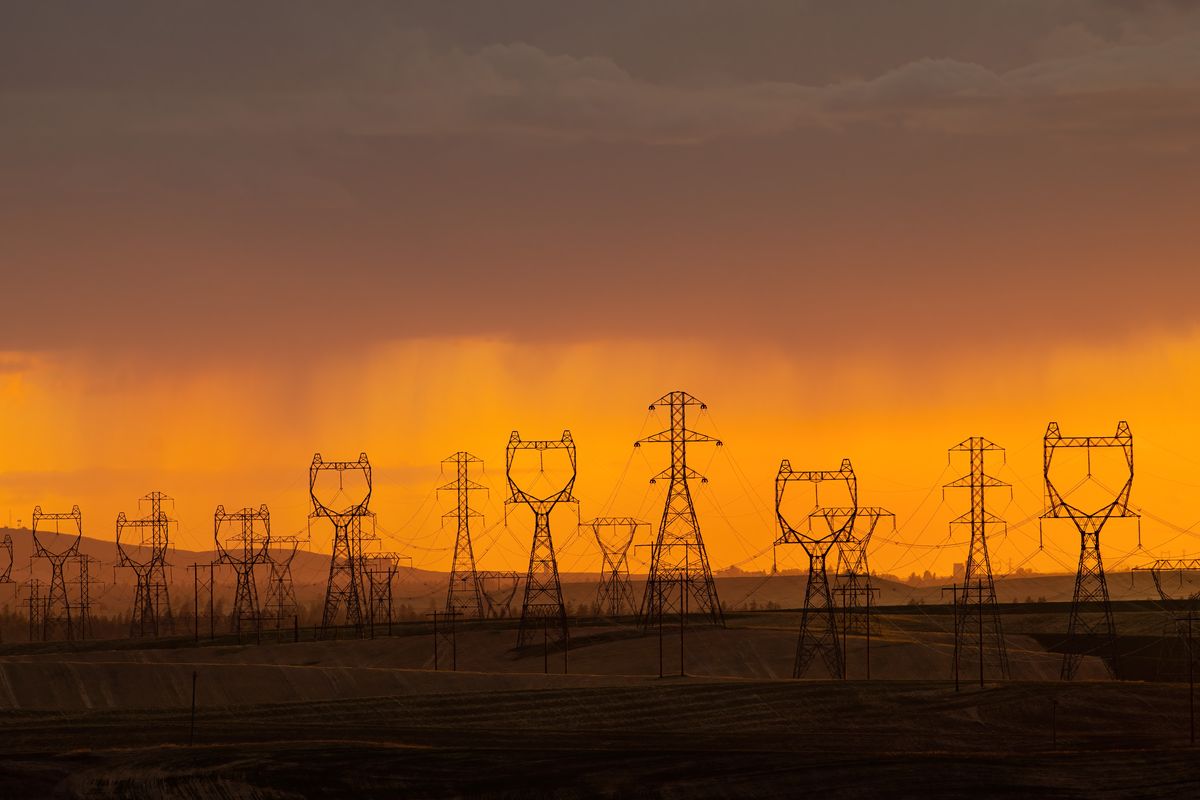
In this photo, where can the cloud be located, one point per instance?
(412, 87)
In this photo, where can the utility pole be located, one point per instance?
(679, 530)
(954, 605)
(1091, 587)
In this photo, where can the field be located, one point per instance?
(371, 718)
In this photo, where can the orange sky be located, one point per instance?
(75, 434)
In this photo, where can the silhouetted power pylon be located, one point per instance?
(1186, 594)
(280, 606)
(614, 535)
(6, 546)
(499, 589)
(1091, 611)
(818, 623)
(147, 557)
(543, 607)
(380, 571)
(854, 585)
(57, 617)
(977, 623)
(464, 594)
(83, 604)
(345, 587)
(247, 535)
(678, 558)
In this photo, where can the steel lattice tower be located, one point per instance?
(380, 570)
(152, 615)
(853, 569)
(244, 549)
(499, 599)
(345, 586)
(1091, 587)
(614, 535)
(464, 594)
(543, 605)
(84, 602)
(818, 623)
(978, 617)
(280, 603)
(57, 607)
(678, 556)
(7, 546)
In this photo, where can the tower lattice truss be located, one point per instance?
(680, 581)
(818, 620)
(979, 635)
(542, 611)
(1091, 629)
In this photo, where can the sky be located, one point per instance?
(236, 235)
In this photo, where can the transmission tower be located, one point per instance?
(543, 605)
(7, 546)
(280, 604)
(678, 557)
(84, 581)
(977, 623)
(56, 616)
(36, 598)
(1091, 611)
(345, 587)
(148, 559)
(614, 535)
(853, 570)
(818, 623)
(380, 570)
(499, 590)
(1177, 627)
(464, 594)
(243, 548)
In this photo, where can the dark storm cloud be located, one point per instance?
(200, 173)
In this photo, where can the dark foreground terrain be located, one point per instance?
(641, 738)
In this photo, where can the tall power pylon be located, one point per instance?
(614, 535)
(1091, 587)
(57, 617)
(147, 557)
(464, 594)
(244, 548)
(854, 584)
(977, 622)
(345, 587)
(678, 558)
(818, 623)
(543, 605)
(280, 604)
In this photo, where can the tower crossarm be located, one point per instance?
(320, 465)
(39, 517)
(838, 522)
(517, 444)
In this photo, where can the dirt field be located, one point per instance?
(370, 718)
